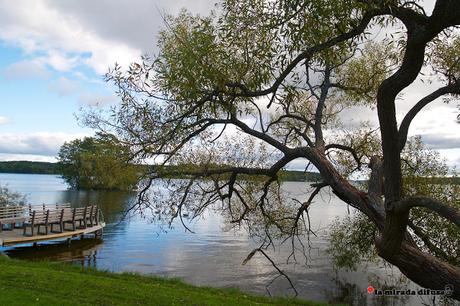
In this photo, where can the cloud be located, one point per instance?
(4, 120)
(28, 157)
(60, 39)
(85, 78)
(139, 22)
(437, 141)
(93, 33)
(63, 86)
(40, 143)
(61, 61)
(26, 69)
(96, 99)
(438, 126)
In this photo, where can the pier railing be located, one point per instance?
(45, 219)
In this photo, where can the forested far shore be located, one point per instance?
(31, 167)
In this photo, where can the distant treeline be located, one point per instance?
(31, 167)
(299, 176)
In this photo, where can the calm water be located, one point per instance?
(209, 257)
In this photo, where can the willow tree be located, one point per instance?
(277, 74)
(99, 162)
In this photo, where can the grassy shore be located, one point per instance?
(31, 283)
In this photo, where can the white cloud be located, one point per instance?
(38, 28)
(85, 78)
(63, 86)
(27, 157)
(438, 126)
(4, 120)
(96, 33)
(96, 99)
(40, 143)
(60, 61)
(25, 69)
(138, 23)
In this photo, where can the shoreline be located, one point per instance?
(50, 283)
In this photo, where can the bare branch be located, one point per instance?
(345, 148)
(405, 124)
(281, 272)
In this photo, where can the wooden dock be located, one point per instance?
(15, 236)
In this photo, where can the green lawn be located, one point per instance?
(31, 283)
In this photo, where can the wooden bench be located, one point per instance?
(38, 218)
(80, 215)
(10, 215)
(56, 206)
(55, 217)
(46, 207)
(59, 215)
(93, 215)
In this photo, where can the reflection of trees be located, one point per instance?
(353, 294)
(112, 203)
(83, 251)
(344, 292)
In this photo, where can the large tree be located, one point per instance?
(279, 73)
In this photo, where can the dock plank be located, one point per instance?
(15, 237)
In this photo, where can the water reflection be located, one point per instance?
(350, 293)
(79, 251)
(211, 256)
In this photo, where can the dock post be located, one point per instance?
(98, 234)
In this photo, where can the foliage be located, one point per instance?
(8, 197)
(435, 234)
(352, 239)
(29, 167)
(444, 56)
(246, 91)
(100, 162)
(299, 176)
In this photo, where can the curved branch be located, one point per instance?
(405, 124)
(345, 148)
(262, 136)
(426, 240)
(441, 209)
(305, 55)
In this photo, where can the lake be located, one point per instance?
(210, 256)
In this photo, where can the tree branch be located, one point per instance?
(345, 148)
(405, 124)
(305, 55)
(441, 209)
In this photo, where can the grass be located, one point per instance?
(44, 283)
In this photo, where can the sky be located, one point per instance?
(53, 56)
